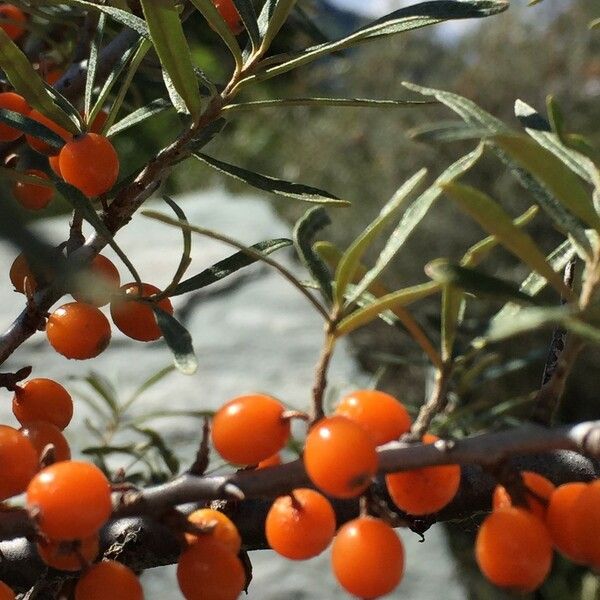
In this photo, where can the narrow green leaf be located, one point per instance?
(178, 339)
(129, 449)
(447, 131)
(272, 18)
(186, 252)
(246, 11)
(117, 14)
(13, 175)
(93, 63)
(163, 449)
(104, 388)
(150, 382)
(595, 24)
(270, 184)
(555, 115)
(453, 303)
(31, 127)
(157, 106)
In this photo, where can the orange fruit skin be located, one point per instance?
(585, 518)
(78, 330)
(19, 459)
(538, 484)
(208, 569)
(560, 521)
(340, 457)
(54, 163)
(367, 558)
(384, 417)
(109, 579)
(40, 434)
(71, 499)
(249, 429)
(13, 30)
(43, 400)
(19, 272)
(30, 195)
(53, 76)
(424, 491)
(90, 163)
(5, 592)
(134, 318)
(224, 532)
(109, 280)
(272, 461)
(301, 528)
(59, 555)
(230, 15)
(41, 146)
(16, 103)
(513, 549)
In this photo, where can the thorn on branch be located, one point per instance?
(10, 381)
(202, 456)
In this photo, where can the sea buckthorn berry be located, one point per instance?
(90, 163)
(31, 195)
(15, 29)
(340, 457)
(272, 461)
(102, 281)
(5, 592)
(513, 549)
(538, 490)
(98, 122)
(230, 15)
(20, 273)
(78, 330)
(585, 517)
(54, 163)
(367, 558)
(249, 429)
(53, 75)
(560, 520)
(69, 556)
(39, 145)
(19, 462)
(41, 434)
(384, 417)
(300, 525)
(224, 530)
(109, 579)
(135, 318)
(16, 103)
(426, 490)
(209, 569)
(43, 400)
(70, 500)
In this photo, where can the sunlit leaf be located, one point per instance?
(178, 339)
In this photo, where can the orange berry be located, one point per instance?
(426, 490)
(104, 279)
(535, 483)
(16, 103)
(300, 527)
(249, 429)
(367, 558)
(19, 462)
(98, 122)
(90, 163)
(272, 461)
(78, 330)
(224, 530)
(15, 29)
(5, 592)
(41, 146)
(208, 569)
(230, 15)
(53, 75)
(70, 500)
(43, 400)
(585, 518)
(20, 273)
(340, 457)
(54, 163)
(513, 549)
(30, 195)
(384, 417)
(69, 556)
(109, 579)
(135, 318)
(41, 434)
(560, 520)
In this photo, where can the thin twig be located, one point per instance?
(320, 383)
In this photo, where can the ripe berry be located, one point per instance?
(272, 461)
(367, 557)
(101, 282)
(90, 163)
(16, 103)
(15, 29)
(585, 519)
(42, 434)
(513, 549)
(98, 123)
(70, 500)
(19, 462)
(538, 488)
(135, 318)
(560, 520)
(380, 414)
(20, 273)
(301, 526)
(54, 163)
(30, 195)
(43, 400)
(53, 75)
(340, 457)
(224, 530)
(249, 429)
(40, 146)
(78, 330)
(426, 490)
(208, 569)
(69, 556)
(109, 579)
(230, 15)
(5, 592)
